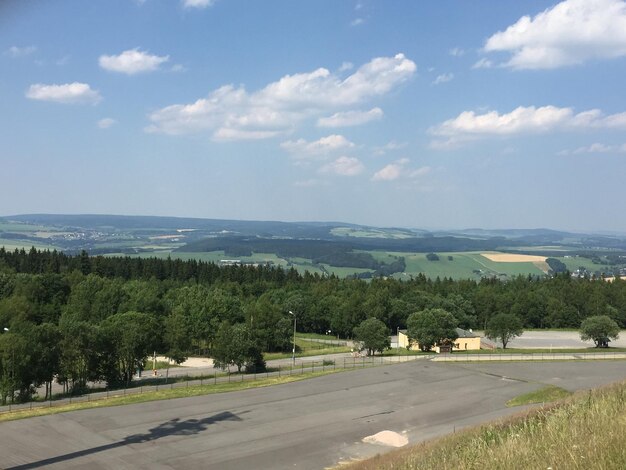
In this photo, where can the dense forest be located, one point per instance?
(79, 318)
(310, 248)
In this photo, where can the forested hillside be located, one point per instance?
(81, 318)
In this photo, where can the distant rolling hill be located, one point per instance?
(323, 247)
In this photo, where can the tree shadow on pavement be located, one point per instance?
(174, 427)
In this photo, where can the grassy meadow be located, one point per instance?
(464, 265)
(11, 245)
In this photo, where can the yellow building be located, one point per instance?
(467, 341)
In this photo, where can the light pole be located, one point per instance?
(293, 351)
(6, 330)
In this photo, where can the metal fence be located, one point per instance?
(554, 356)
(302, 367)
(144, 386)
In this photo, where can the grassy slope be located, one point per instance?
(547, 394)
(586, 431)
(308, 348)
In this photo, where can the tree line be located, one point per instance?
(76, 319)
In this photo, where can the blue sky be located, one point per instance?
(440, 114)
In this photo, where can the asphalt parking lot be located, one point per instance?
(305, 425)
(559, 339)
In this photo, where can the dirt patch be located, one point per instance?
(190, 362)
(387, 438)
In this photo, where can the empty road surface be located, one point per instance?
(310, 424)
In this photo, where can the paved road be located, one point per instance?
(305, 425)
(205, 368)
(558, 339)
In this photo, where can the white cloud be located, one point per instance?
(70, 93)
(569, 33)
(323, 146)
(283, 104)
(523, 120)
(390, 172)
(343, 166)
(132, 61)
(483, 63)
(456, 52)
(346, 66)
(595, 148)
(357, 21)
(312, 182)
(424, 170)
(63, 60)
(178, 68)
(350, 118)
(106, 123)
(388, 147)
(399, 169)
(197, 3)
(225, 134)
(16, 51)
(443, 78)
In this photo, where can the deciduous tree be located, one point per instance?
(431, 327)
(505, 327)
(600, 328)
(373, 334)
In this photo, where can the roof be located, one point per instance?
(466, 334)
(459, 331)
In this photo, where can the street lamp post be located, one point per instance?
(12, 369)
(293, 351)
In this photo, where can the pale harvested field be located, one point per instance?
(539, 261)
(165, 237)
(512, 258)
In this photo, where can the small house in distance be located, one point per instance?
(467, 341)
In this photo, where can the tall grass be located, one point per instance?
(586, 431)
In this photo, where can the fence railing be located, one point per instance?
(543, 356)
(325, 343)
(143, 386)
(302, 367)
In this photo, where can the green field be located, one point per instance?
(344, 271)
(371, 233)
(382, 256)
(11, 245)
(575, 262)
(465, 265)
(18, 227)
